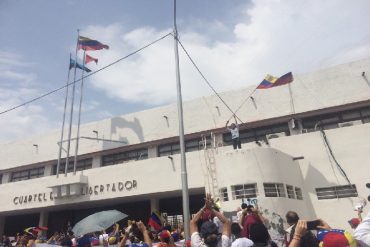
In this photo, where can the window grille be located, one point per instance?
(335, 192)
(244, 191)
(274, 190)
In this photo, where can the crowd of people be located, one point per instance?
(210, 228)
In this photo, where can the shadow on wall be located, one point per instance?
(118, 123)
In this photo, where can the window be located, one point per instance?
(80, 166)
(290, 191)
(251, 135)
(335, 192)
(168, 149)
(173, 220)
(298, 193)
(224, 195)
(244, 191)
(274, 190)
(1, 178)
(118, 158)
(27, 174)
(190, 145)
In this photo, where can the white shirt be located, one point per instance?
(234, 132)
(219, 224)
(362, 232)
(197, 241)
(242, 242)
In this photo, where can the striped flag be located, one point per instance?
(89, 59)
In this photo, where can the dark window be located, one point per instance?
(1, 178)
(257, 134)
(298, 193)
(27, 174)
(80, 166)
(290, 191)
(274, 190)
(224, 195)
(118, 158)
(336, 192)
(190, 145)
(244, 191)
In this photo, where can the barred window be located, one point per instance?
(168, 149)
(298, 193)
(80, 166)
(274, 190)
(290, 191)
(118, 158)
(224, 196)
(27, 174)
(335, 192)
(244, 191)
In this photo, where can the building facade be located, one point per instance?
(304, 148)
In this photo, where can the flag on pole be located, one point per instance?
(90, 44)
(271, 81)
(72, 64)
(89, 59)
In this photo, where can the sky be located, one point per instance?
(235, 43)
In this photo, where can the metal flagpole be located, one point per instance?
(64, 117)
(71, 116)
(291, 99)
(184, 175)
(79, 117)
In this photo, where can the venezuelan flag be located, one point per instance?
(271, 81)
(90, 44)
(267, 82)
(155, 220)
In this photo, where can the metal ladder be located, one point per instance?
(209, 155)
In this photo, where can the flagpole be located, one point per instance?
(240, 106)
(291, 99)
(184, 175)
(64, 118)
(71, 114)
(79, 116)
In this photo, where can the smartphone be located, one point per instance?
(312, 225)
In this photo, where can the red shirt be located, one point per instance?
(248, 221)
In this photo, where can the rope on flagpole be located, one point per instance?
(205, 79)
(88, 75)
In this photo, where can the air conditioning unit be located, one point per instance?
(350, 123)
(275, 135)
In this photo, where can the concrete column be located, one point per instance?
(48, 170)
(6, 178)
(219, 142)
(43, 220)
(154, 204)
(295, 126)
(96, 162)
(152, 152)
(2, 225)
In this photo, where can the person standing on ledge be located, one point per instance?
(234, 130)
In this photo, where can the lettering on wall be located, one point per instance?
(89, 190)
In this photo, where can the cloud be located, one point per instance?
(16, 85)
(271, 37)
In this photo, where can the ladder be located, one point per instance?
(209, 155)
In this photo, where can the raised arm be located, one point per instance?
(143, 229)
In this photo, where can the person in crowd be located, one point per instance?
(136, 235)
(292, 219)
(208, 234)
(307, 239)
(54, 239)
(6, 241)
(84, 241)
(250, 216)
(114, 235)
(362, 232)
(234, 130)
(239, 241)
(327, 236)
(260, 236)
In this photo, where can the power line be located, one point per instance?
(205, 79)
(88, 75)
